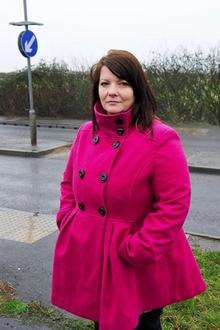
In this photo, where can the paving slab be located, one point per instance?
(26, 227)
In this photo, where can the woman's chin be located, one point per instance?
(113, 109)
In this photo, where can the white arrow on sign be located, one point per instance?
(27, 46)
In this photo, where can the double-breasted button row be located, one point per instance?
(115, 144)
(119, 130)
(102, 176)
(101, 210)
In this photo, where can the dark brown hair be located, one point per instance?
(125, 65)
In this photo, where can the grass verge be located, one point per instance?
(201, 312)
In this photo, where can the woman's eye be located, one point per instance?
(123, 83)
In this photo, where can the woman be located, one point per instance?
(122, 254)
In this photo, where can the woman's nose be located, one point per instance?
(112, 90)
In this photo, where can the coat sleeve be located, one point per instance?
(67, 198)
(172, 194)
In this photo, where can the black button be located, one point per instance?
(95, 139)
(119, 121)
(103, 177)
(102, 211)
(116, 144)
(120, 131)
(81, 206)
(82, 173)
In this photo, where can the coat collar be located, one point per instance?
(118, 122)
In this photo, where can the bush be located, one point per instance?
(57, 92)
(186, 85)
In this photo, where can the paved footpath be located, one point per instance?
(28, 265)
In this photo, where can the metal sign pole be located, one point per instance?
(32, 114)
(27, 43)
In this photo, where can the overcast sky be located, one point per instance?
(81, 31)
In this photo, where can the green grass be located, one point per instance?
(203, 311)
(13, 307)
(200, 312)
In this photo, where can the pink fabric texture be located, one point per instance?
(112, 265)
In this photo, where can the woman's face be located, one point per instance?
(115, 94)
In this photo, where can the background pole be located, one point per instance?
(32, 114)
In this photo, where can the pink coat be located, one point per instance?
(121, 248)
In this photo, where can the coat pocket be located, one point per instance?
(123, 243)
(67, 217)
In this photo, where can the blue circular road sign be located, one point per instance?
(27, 43)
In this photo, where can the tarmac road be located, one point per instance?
(32, 184)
